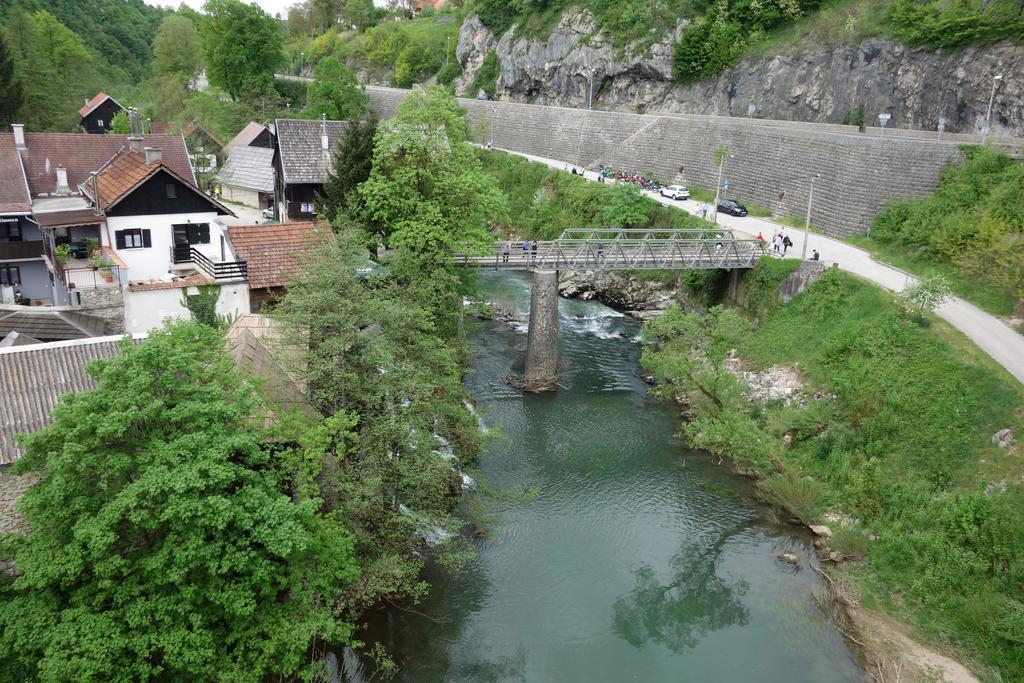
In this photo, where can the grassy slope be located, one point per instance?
(906, 449)
(978, 292)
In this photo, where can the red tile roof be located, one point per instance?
(14, 197)
(121, 175)
(95, 102)
(159, 127)
(273, 252)
(82, 153)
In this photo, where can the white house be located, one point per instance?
(121, 228)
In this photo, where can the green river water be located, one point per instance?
(639, 561)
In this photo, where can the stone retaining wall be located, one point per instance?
(859, 171)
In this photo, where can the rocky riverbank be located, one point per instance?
(640, 298)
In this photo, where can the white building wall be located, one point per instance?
(154, 262)
(241, 195)
(146, 310)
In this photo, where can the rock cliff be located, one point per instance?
(821, 84)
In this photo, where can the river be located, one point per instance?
(639, 560)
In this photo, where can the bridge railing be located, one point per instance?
(626, 253)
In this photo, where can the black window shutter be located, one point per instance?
(146, 242)
(204, 233)
(119, 239)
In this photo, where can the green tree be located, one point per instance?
(359, 13)
(427, 190)
(120, 124)
(165, 540)
(353, 161)
(170, 94)
(369, 350)
(177, 49)
(52, 65)
(335, 92)
(624, 206)
(926, 294)
(414, 62)
(242, 46)
(10, 86)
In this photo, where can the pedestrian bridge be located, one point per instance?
(627, 249)
(604, 249)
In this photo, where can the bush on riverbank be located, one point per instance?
(899, 438)
(971, 230)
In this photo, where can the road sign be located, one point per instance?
(725, 184)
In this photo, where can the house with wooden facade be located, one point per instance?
(304, 159)
(98, 113)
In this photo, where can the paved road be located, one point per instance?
(991, 334)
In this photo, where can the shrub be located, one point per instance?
(802, 496)
(851, 542)
(706, 48)
(486, 78)
(448, 73)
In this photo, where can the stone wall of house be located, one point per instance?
(106, 303)
(771, 163)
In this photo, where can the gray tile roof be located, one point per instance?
(34, 377)
(49, 324)
(302, 157)
(245, 136)
(251, 168)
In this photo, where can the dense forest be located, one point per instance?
(117, 33)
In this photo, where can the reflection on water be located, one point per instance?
(678, 614)
(639, 561)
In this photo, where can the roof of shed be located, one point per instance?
(245, 136)
(249, 167)
(35, 377)
(14, 196)
(302, 156)
(272, 252)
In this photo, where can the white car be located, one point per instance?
(268, 212)
(675, 192)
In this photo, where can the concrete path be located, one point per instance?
(991, 334)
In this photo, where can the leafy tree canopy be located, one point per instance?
(10, 86)
(177, 50)
(427, 190)
(53, 66)
(242, 46)
(165, 541)
(335, 92)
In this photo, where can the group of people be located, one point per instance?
(781, 244)
(529, 250)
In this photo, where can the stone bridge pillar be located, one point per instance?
(542, 341)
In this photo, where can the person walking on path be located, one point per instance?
(526, 251)
(815, 256)
(776, 243)
(506, 250)
(786, 244)
(533, 251)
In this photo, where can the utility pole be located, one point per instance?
(988, 115)
(590, 97)
(718, 186)
(447, 50)
(807, 223)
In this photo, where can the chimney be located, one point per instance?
(324, 147)
(19, 135)
(98, 207)
(153, 155)
(135, 124)
(62, 180)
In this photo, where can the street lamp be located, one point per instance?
(718, 187)
(447, 49)
(590, 92)
(807, 223)
(988, 115)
